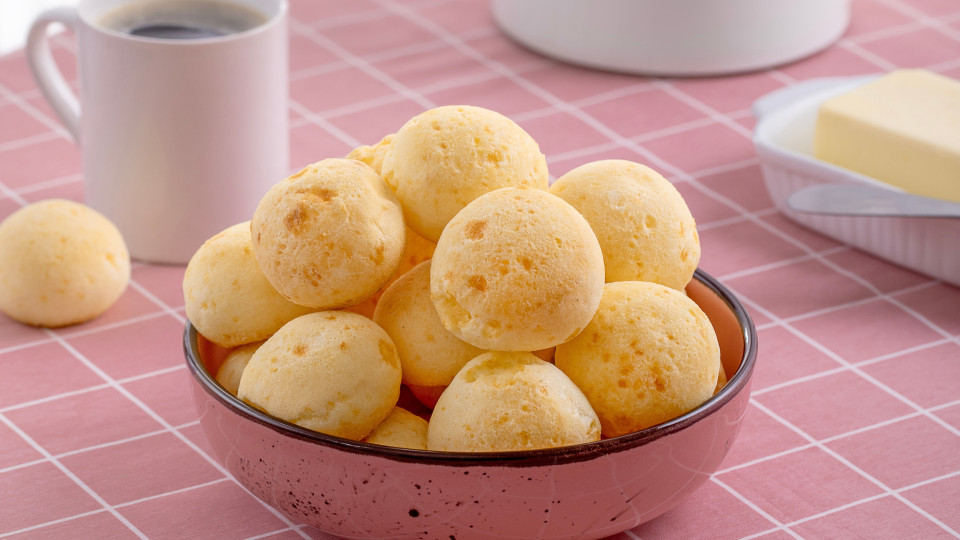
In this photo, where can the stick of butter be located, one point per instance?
(902, 129)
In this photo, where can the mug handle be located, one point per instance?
(45, 72)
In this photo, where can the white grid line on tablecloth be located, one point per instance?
(368, 15)
(52, 522)
(841, 436)
(841, 368)
(122, 505)
(153, 298)
(329, 114)
(152, 414)
(920, 22)
(705, 109)
(227, 478)
(733, 220)
(52, 183)
(653, 135)
(119, 324)
(873, 498)
(836, 455)
(389, 54)
(854, 368)
(11, 194)
(93, 388)
(27, 141)
(818, 444)
(97, 329)
(69, 474)
(467, 80)
(866, 376)
(785, 262)
(875, 59)
(778, 525)
(99, 446)
(25, 106)
(295, 528)
(317, 120)
(359, 63)
(852, 303)
(453, 82)
(940, 24)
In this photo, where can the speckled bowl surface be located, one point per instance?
(359, 490)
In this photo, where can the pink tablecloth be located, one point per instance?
(854, 425)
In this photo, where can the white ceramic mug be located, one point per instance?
(179, 138)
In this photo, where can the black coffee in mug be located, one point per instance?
(182, 19)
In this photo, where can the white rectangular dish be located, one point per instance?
(783, 138)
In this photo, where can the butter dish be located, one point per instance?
(783, 138)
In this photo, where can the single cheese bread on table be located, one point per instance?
(61, 263)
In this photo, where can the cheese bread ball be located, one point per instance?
(502, 401)
(429, 353)
(518, 269)
(372, 155)
(332, 371)
(644, 227)
(61, 263)
(416, 249)
(402, 429)
(443, 158)
(233, 365)
(330, 235)
(649, 355)
(227, 297)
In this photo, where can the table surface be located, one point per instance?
(853, 429)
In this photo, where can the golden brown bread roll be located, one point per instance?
(503, 401)
(231, 370)
(645, 230)
(226, 295)
(518, 269)
(372, 155)
(61, 263)
(429, 353)
(332, 371)
(443, 158)
(402, 429)
(330, 235)
(649, 355)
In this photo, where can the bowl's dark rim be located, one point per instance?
(525, 458)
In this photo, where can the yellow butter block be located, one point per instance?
(902, 129)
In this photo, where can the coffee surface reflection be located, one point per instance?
(182, 19)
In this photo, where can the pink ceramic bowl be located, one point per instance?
(359, 490)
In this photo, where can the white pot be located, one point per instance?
(674, 37)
